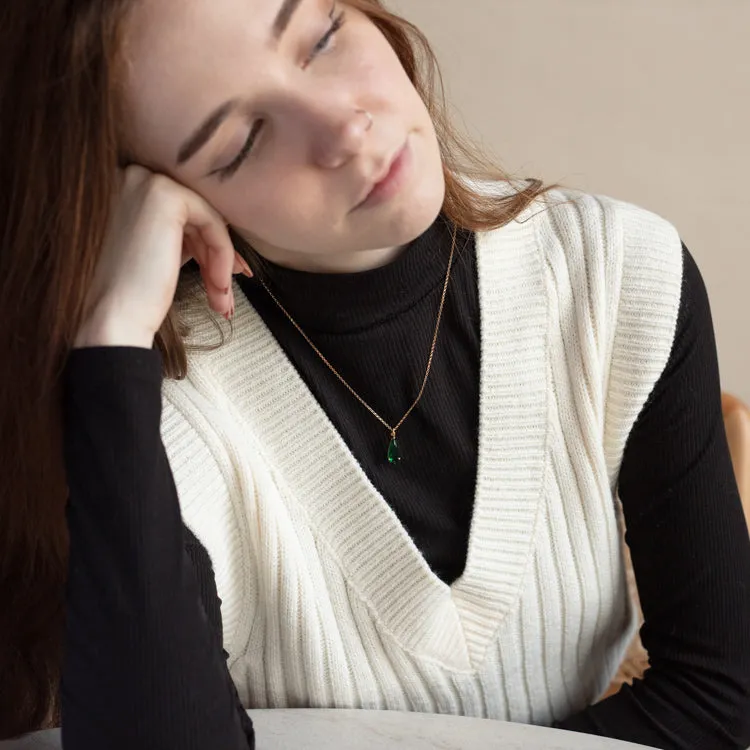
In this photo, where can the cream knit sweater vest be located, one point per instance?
(327, 602)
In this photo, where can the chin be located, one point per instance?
(414, 213)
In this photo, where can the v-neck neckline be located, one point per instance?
(317, 471)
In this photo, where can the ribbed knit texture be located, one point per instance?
(326, 599)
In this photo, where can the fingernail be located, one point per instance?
(246, 270)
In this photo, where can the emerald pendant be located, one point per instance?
(394, 452)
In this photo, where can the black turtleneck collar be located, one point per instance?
(346, 302)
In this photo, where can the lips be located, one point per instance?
(384, 176)
(380, 187)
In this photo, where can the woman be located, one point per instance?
(396, 459)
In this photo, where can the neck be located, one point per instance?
(356, 262)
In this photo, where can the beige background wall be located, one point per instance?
(645, 100)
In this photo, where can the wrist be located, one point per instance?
(106, 331)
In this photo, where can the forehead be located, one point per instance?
(184, 57)
(161, 20)
(173, 40)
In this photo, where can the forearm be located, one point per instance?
(141, 667)
(696, 693)
(691, 555)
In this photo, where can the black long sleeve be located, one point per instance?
(691, 555)
(143, 663)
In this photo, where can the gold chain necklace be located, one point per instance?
(394, 451)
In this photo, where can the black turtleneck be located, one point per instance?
(144, 665)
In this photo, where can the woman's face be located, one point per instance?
(261, 107)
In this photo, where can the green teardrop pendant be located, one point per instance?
(394, 452)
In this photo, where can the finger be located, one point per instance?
(216, 253)
(240, 265)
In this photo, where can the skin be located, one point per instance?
(295, 198)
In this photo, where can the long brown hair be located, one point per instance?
(60, 68)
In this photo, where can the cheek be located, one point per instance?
(264, 208)
(373, 68)
(387, 78)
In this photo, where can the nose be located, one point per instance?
(339, 135)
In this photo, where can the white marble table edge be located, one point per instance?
(334, 729)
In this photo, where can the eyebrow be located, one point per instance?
(284, 17)
(210, 125)
(205, 130)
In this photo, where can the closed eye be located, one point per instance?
(321, 46)
(226, 172)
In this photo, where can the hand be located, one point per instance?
(156, 225)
